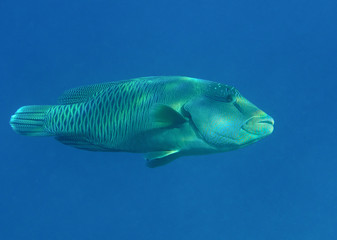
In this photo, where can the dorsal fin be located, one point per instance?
(82, 94)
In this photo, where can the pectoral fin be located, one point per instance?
(156, 159)
(165, 116)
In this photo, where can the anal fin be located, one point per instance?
(80, 142)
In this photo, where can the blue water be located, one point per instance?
(281, 55)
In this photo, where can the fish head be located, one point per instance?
(226, 120)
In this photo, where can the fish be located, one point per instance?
(164, 117)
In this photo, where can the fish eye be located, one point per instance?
(222, 93)
(229, 98)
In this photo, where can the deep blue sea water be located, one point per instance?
(281, 55)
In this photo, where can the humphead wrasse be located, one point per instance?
(164, 117)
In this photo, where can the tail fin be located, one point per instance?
(29, 120)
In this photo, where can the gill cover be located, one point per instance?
(215, 116)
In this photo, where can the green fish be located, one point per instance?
(165, 117)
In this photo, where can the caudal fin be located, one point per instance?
(29, 120)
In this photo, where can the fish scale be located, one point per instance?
(106, 116)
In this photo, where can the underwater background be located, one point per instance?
(281, 55)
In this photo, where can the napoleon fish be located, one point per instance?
(165, 117)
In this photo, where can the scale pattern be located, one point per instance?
(111, 116)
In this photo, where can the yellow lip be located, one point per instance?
(259, 125)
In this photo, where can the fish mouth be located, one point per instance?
(268, 121)
(257, 125)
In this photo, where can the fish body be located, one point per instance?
(164, 117)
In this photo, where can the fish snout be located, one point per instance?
(259, 125)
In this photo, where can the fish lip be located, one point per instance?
(265, 120)
(268, 120)
(250, 132)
